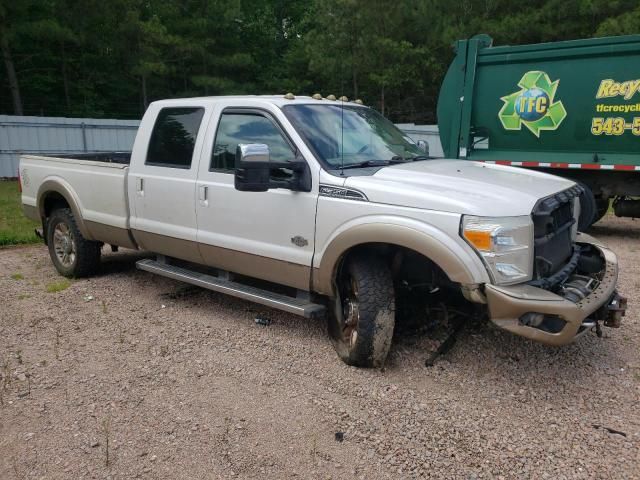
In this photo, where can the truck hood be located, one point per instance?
(459, 186)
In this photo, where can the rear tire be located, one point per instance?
(71, 253)
(588, 209)
(363, 317)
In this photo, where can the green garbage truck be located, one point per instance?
(569, 108)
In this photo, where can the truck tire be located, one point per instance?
(588, 209)
(602, 205)
(363, 317)
(70, 252)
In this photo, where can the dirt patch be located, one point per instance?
(131, 375)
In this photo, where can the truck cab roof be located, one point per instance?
(277, 100)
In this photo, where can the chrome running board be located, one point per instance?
(298, 306)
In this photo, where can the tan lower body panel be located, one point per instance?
(97, 231)
(31, 212)
(269, 269)
(169, 246)
(272, 270)
(111, 235)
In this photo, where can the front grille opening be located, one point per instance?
(553, 222)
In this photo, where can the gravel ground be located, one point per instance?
(131, 375)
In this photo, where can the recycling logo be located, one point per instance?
(533, 106)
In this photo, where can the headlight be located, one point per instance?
(505, 245)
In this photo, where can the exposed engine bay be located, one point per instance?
(565, 267)
(580, 277)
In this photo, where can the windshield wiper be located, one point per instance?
(367, 163)
(398, 159)
(417, 158)
(378, 163)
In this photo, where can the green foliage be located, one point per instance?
(99, 59)
(14, 226)
(58, 286)
(627, 23)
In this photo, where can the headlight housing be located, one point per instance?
(505, 245)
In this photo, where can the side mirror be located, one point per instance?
(423, 145)
(252, 167)
(253, 170)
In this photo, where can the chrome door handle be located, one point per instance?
(203, 194)
(140, 185)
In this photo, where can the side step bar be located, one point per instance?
(297, 306)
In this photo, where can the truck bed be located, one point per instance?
(123, 158)
(93, 184)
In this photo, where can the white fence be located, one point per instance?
(54, 135)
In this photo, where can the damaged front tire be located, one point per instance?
(363, 312)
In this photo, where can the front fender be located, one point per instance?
(459, 263)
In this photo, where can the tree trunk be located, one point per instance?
(11, 74)
(204, 73)
(65, 79)
(354, 73)
(184, 75)
(145, 103)
(355, 85)
(382, 100)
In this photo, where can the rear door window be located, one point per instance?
(174, 137)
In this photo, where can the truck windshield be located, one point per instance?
(357, 136)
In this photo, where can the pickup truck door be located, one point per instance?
(268, 235)
(162, 182)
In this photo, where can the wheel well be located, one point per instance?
(425, 295)
(405, 264)
(53, 201)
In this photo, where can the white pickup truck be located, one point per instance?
(313, 205)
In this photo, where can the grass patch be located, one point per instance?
(15, 228)
(17, 276)
(58, 286)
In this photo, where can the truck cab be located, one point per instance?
(322, 206)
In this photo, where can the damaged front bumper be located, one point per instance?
(550, 318)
